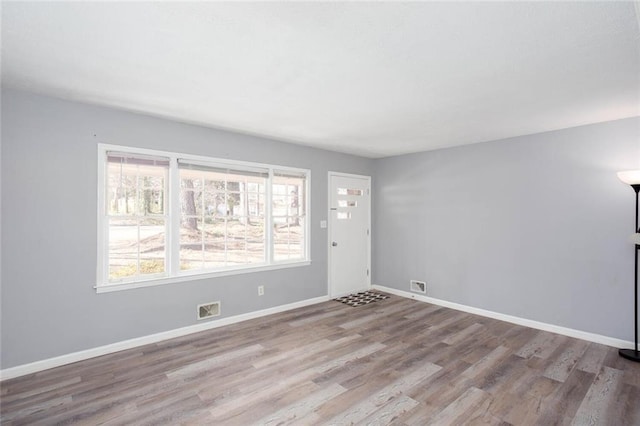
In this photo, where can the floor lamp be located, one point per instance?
(632, 177)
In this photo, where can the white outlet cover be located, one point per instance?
(323, 224)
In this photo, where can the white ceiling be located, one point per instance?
(374, 79)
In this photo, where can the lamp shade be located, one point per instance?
(630, 177)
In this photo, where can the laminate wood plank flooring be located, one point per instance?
(396, 361)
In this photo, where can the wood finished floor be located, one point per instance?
(396, 361)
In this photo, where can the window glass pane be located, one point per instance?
(288, 238)
(214, 184)
(135, 186)
(235, 204)
(349, 191)
(296, 239)
(122, 189)
(123, 248)
(136, 247)
(152, 246)
(191, 197)
(236, 242)
(256, 205)
(255, 240)
(347, 203)
(255, 187)
(191, 241)
(214, 234)
(280, 239)
(280, 205)
(151, 266)
(214, 229)
(278, 189)
(215, 254)
(213, 204)
(150, 201)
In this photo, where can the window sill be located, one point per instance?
(108, 288)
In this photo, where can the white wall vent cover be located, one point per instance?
(208, 310)
(418, 286)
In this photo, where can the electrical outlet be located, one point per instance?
(260, 290)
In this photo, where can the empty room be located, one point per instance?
(270, 213)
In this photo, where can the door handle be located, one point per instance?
(334, 244)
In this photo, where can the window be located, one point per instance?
(289, 202)
(222, 218)
(136, 215)
(165, 217)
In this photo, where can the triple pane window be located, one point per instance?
(172, 215)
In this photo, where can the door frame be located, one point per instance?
(330, 174)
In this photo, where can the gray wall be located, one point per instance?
(49, 181)
(534, 226)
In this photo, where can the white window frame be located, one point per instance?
(173, 274)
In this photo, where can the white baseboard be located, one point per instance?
(591, 337)
(34, 367)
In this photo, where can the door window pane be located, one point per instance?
(350, 191)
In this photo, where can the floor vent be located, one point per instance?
(418, 286)
(208, 310)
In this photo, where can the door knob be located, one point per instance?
(334, 244)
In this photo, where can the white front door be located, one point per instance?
(349, 233)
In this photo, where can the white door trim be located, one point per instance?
(328, 242)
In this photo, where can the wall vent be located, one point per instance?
(208, 310)
(418, 286)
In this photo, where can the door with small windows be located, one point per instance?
(349, 233)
